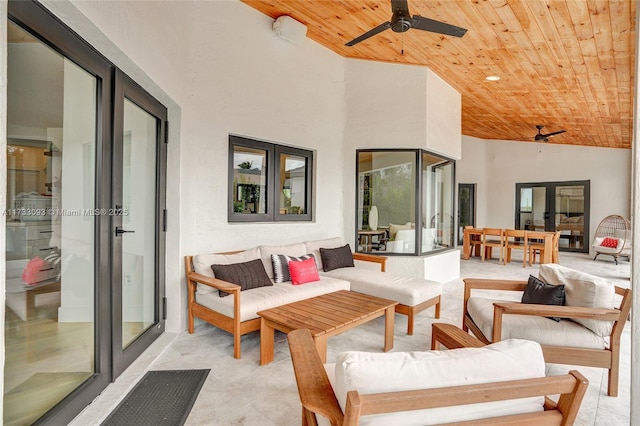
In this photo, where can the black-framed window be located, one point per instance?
(404, 201)
(268, 182)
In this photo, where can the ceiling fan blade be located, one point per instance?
(425, 24)
(380, 28)
(549, 135)
(399, 4)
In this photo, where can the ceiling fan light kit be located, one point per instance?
(402, 21)
(290, 29)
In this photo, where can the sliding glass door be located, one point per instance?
(83, 297)
(556, 207)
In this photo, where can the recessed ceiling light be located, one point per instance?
(492, 78)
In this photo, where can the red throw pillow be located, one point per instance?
(304, 271)
(609, 242)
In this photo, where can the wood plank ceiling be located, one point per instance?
(564, 64)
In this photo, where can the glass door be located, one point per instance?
(86, 160)
(55, 254)
(556, 207)
(138, 221)
(466, 207)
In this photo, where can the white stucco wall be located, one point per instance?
(496, 166)
(251, 83)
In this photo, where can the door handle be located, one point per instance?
(120, 231)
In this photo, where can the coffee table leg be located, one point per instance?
(266, 342)
(321, 347)
(389, 318)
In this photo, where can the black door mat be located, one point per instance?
(162, 397)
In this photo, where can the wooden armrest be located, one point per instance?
(382, 260)
(451, 337)
(489, 284)
(213, 282)
(314, 389)
(515, 308)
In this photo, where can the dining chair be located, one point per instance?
(537, 246)
(516, 239)
(475, 241)
(492, 237)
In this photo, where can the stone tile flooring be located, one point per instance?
(240, 392)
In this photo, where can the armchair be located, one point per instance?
(512, 401)
(587, 335)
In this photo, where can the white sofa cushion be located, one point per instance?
(582, 289)
(202, 264)
(389, 372)
(404, 290)
(296, 250)
(539, 329)
(261, 298)
(314, 247)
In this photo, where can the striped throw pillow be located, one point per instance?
(281, 266)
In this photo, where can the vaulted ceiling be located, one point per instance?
(565, 64)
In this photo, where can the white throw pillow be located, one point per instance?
(511, 359)
(582, 289)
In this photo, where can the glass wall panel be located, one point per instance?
(249, 180)
(51, 157)
(437, 203)
(569, 215)
(139, 214)
(389, 194)
(387, 201)
(293, 181)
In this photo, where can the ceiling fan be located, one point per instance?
(402, 21)
(544, 137)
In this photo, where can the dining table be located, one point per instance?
(471, 235)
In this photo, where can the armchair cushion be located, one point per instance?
(610, 242)
(388, 372)
(582, 289)
(540, 293)
(536, 328)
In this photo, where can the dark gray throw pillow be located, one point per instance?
(335, 258)
(540, 293)
(247, 275)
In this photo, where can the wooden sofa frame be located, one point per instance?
(317, 395)
(606, 358)
(239, 328)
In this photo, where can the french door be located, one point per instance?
(466, 207)
(84, 281)
(556, 207)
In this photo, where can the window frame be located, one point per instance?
(418, 189)
(273, 152)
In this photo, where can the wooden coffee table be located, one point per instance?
(325, 316)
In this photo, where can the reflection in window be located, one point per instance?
(249, 180)
(268, 182)
(389, 196)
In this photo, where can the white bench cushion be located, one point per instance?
(404, 290)
(582, 289)
(396, 371)
(538, 329)
(258, 299)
